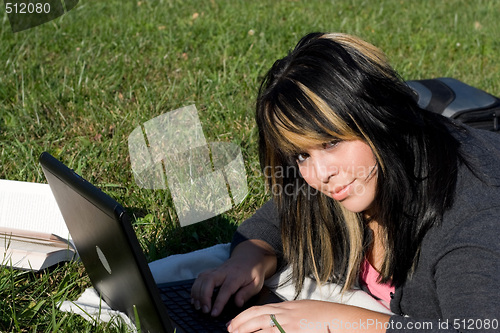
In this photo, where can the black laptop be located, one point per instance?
(116, 265)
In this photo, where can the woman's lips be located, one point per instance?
(341, 193)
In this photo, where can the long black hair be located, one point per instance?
(339, 86)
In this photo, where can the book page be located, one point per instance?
(33, 254)
(30, 206)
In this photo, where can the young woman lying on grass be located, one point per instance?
(367, 190)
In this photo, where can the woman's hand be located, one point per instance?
(308, 316)
(242, 275)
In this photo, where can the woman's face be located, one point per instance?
(343, 170)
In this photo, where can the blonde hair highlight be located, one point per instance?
(289, 137)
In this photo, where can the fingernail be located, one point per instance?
(215, 312)
(205, 309)
(197, 305)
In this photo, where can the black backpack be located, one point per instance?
(455, 99)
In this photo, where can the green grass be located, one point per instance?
(79, 85)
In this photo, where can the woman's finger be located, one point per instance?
(203, 288)
(228, 288)
(256, 318)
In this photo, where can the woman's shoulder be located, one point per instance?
(480, 150)
(476, 205)
(473, 220)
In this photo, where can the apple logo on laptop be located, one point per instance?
(103, 259)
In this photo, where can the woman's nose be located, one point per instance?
(324, 170)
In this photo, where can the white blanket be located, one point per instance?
(187, 266)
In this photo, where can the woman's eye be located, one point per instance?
(301, 157)
(330, 144)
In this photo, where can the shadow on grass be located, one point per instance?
(161, 239)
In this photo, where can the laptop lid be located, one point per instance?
(108, 246)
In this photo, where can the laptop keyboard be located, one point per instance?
(177, 299)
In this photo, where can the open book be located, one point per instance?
(33, 234)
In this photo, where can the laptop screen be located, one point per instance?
(107, 245)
